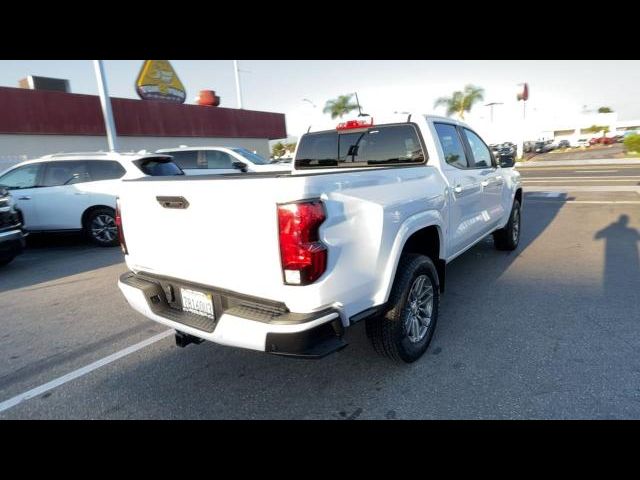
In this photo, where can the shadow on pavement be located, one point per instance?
(621, 263)
(50, 257)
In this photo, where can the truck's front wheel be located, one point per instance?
(508, 237)
(405, 331)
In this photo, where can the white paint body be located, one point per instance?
(228, 236)
(61, 207)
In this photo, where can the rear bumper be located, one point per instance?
(240, 321)
(11, 243)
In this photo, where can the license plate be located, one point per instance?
(197, 302)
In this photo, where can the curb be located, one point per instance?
(569, 163)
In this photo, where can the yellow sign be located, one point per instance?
(158, 81)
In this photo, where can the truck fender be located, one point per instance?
(411, 225)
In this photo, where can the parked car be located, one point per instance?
(77, 191)
(220, 160)
(362, 228)
(543, 147)
(11, 235)
(508, 149)
(582, 142)
(602, 141)
(564, 144)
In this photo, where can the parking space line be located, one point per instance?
(34, 392)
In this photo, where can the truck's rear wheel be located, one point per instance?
(507, 238)
(405, 331)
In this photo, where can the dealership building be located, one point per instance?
(40, 122)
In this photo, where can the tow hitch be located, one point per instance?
(184, 339)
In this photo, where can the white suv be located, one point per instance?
(220, 160)
(77, 191)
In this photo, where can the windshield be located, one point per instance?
(252, 157)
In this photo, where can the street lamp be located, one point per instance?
(491, 105)
(310, 102)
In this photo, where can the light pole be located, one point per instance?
(238, 91)
(105, 101)
(310, 102)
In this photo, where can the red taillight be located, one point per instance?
(123, 243)
(350, 124)
(303, 255)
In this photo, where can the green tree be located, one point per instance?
(278, 150)
(461, 101)
(605, 110)
(632, 143)
(340, 106)
(290, 147)
(598, 128)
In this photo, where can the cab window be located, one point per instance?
(451, 144)
(186, 158)
(479, 150)
(218, 160)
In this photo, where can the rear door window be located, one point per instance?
(374, 147)
(185, 159)
(451, 144)
(65, 173)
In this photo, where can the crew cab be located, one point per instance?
(361, 229)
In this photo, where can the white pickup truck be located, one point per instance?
(361, 229)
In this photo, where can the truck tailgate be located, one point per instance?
(217, 232)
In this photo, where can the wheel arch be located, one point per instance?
(423, 234)
(91, 209)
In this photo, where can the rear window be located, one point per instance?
(374, 147)
(159, 167)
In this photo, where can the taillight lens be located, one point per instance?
(123, 243)
(303, 255)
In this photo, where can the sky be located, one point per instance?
(560, 90)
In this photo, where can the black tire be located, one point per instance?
(508, 238)
(100, 227)
(389, 333)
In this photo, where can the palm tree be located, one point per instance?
(605, 110)
(340, 106)
(461, 101)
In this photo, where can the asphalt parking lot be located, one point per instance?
(548, 331)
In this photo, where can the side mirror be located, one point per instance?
(506, 161)
(239, 166)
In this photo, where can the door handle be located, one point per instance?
(457, 189)
(24, 198)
